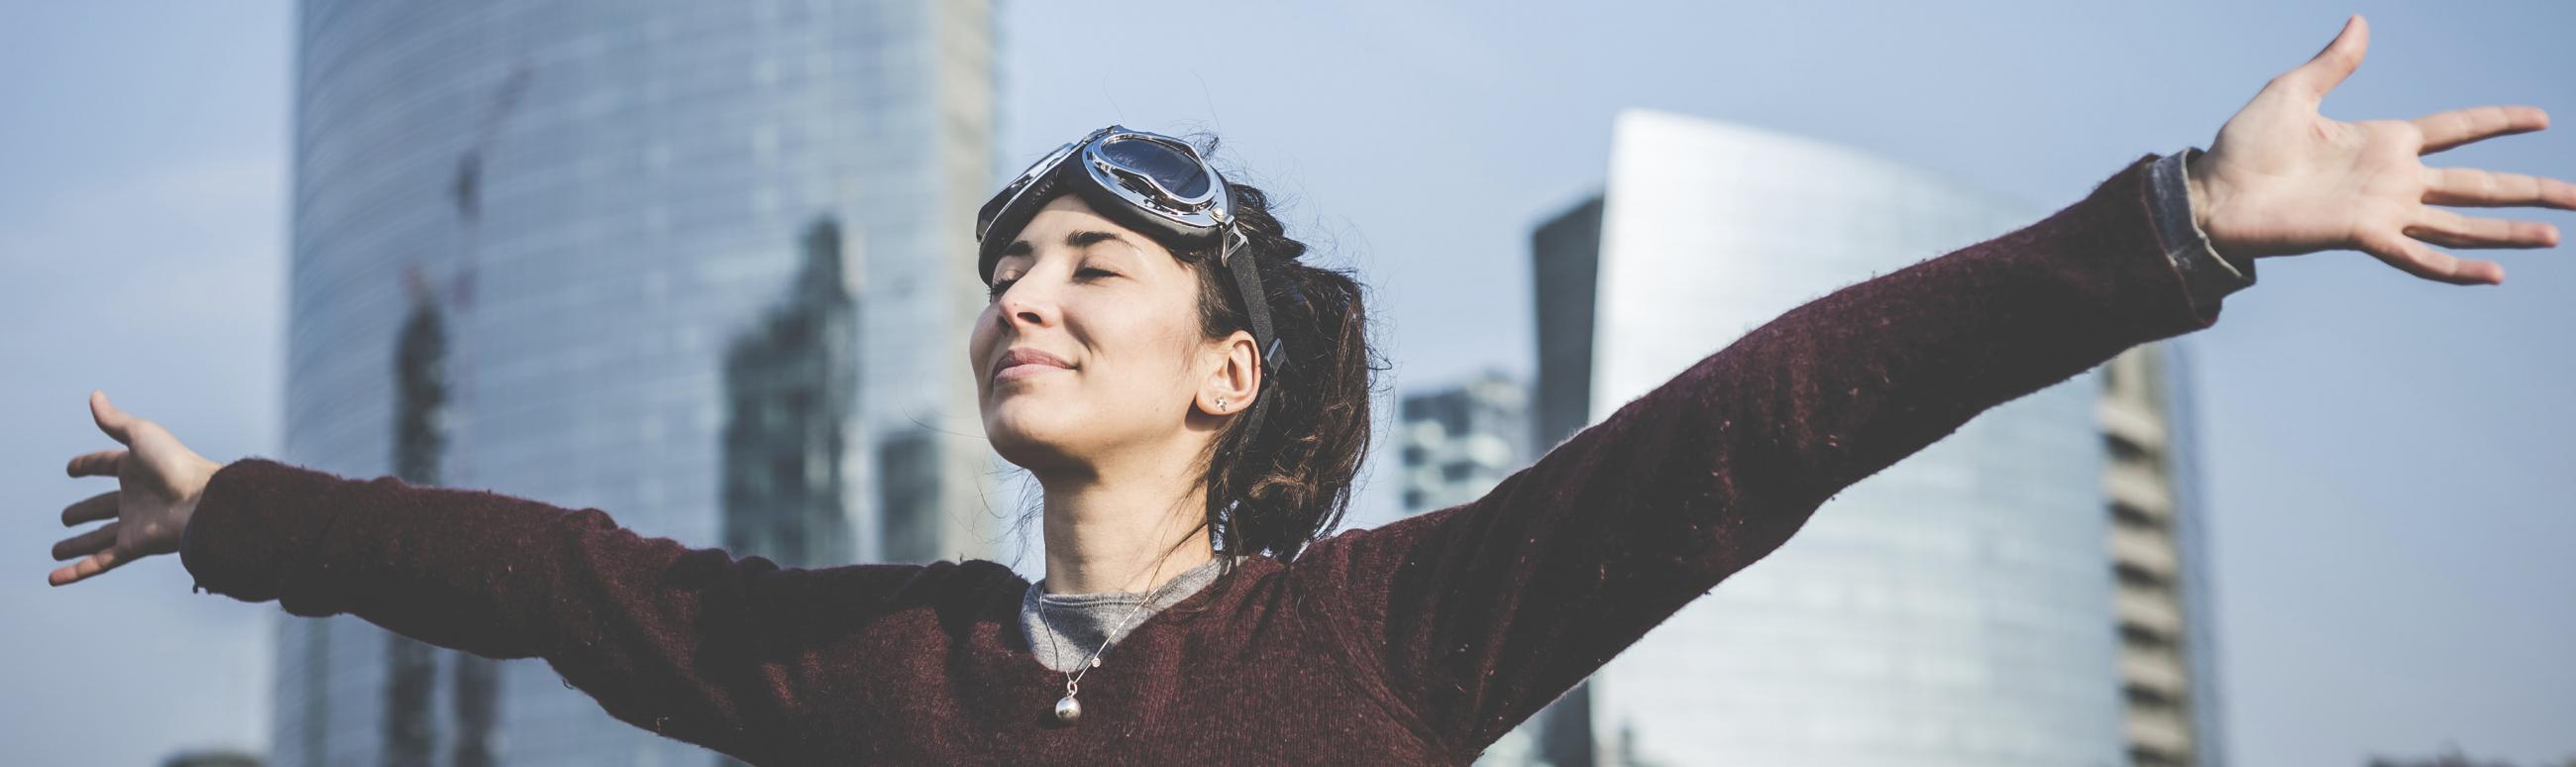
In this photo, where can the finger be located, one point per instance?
(2422, 260)
(84, 569)
(2330, 66)
(2442, 227)
(104, 463)
(111, 420)
(86, 543)
(2478, 188)
(2444, 130)
(92, 509)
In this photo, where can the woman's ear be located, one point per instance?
(1231, 383)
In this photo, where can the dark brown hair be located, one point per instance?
(1275, 486)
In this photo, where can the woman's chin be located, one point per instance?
(1025, 439)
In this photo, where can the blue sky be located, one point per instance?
(2383, 453)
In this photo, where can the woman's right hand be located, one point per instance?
(158, 483)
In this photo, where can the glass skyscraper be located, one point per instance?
(1962, 607)
(704, 266)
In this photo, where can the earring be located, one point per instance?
(1220, 404)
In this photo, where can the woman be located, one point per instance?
(1194, 402)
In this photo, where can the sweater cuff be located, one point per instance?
(253, 525)
(2207, 276)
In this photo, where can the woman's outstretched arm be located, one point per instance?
(1477, 615)
(692, 644)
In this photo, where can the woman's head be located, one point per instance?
(1139, 351)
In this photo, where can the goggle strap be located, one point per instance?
(1247, 282)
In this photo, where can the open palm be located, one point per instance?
(158, 483)
(2282, 179)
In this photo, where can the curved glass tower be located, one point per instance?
(1960, 608)
(700, 265)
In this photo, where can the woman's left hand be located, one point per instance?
(2282, 179)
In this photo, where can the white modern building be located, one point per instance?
(704, 266)
(1964, 607)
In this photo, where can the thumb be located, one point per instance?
(2330, 66)
(111, 420)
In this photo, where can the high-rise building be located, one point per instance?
(2450, 757)
(788, 391)
(2168, 662)
(216, 758)
(1969, 605)
(703, 266)
(1459, 440)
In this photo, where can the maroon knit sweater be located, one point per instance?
(1418, 642)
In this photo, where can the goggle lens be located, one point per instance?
(1179, 174)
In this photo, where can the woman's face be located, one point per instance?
(1100, 327)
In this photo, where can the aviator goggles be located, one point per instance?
(1148, 182)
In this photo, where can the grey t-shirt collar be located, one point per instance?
(1072, 625)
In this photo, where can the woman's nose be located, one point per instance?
(1026, 305)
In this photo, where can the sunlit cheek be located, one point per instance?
(979, 348)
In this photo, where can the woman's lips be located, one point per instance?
(1022, 363)
(1024, 370)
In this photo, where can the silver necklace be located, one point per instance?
(1067, 709)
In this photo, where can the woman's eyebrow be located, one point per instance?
(1085, 238)
(1080, 238)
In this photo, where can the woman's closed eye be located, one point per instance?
(994, 291)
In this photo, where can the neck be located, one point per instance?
(1130, 528)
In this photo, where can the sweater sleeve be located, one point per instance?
(1470, 618)
(691, 644)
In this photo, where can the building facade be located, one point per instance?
(1964, 607)
(703, 266)
(1458, 441)
(2168, 658)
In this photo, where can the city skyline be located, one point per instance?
(158, 116)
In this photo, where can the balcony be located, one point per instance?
(2160, 672)
(2139, 487)
(2153, 611)
(2162, 735)
(2131, 420)
(2148, 550)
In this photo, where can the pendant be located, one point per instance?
(1067, 709)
